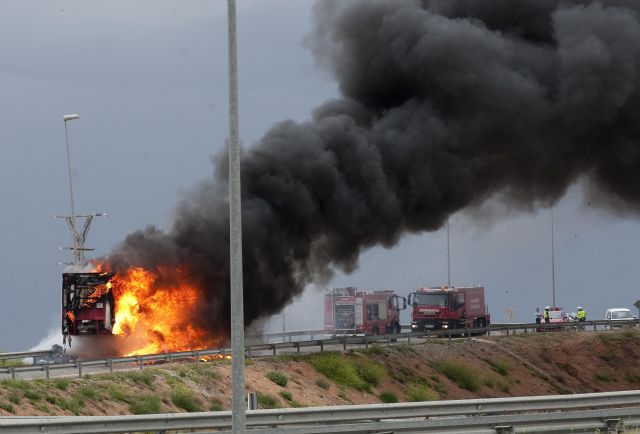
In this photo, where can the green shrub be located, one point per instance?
(459, 373)
(601, 377)
(16, 384)
(487, 381)
(287, 395)
(42, 407)
(336, 368)
(278, 377)
(322, 383)
(32, 395)
(53, 400)
(14, 398)
(500, 366)
(186, 400)
(87, 392)
(117, 393)
(374, 349)
(174, 381)
(266, 401)
(216, 405)
(144, 377)
(75, 405)
(146, 404)
(343, 395)
(388, 397)
(632, 378)
(420, 392)
(405, 348)
(7, 407)
(61, 383)
(208, 370)
(58, 402)
(368, 370)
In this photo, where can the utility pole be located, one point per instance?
(284, 325)
(553, 265)
(448, 257)
(238, 415)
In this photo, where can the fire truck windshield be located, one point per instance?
(428, 299)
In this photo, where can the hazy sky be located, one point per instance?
(149, 80)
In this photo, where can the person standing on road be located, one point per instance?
(546, 314)
(538, 316)
(581, 315)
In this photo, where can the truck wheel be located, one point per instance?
(481, 324)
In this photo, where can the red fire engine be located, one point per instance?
(448, 308)
(349, 311)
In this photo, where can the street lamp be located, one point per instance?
(79, 237)
(553, 264)
(238, 414)
(448, 257)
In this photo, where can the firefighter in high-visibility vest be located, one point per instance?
(545, 314)
(581, 315)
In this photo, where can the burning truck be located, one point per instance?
(147, 311)
(87, 304)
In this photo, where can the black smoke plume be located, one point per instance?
(444, 105)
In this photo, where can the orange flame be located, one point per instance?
(157, 316)
(215, 357)
(99, 292)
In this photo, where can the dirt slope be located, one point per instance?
(519, 365)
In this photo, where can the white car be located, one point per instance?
(620, 316)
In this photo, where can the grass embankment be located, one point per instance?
(149, 391)
(492, 367)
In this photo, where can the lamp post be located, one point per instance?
(238, 415)
(72, 222)
(553, 265)
(448, 257)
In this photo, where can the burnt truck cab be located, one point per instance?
(448, 308)
(87, 304)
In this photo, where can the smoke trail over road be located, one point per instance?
(444, 105)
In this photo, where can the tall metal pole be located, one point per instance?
(448, 258)
(284, 325)
(238, 417)
(76, 251)
(553, 265)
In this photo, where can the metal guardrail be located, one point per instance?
(605, 412)
(343, 342)
(24, 354)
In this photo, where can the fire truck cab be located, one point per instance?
(87, 304)
(349, 311)
(448, 308)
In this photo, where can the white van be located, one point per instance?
(620, 317)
